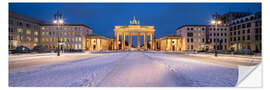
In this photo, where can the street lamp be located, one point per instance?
(216, 23)
(58, 21)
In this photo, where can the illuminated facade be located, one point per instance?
(70, 36)
(134, 29)
(238, 31)
(23, 31)
(171, 43)
(241, 33)
(245, 33)
(204, 37)
(96, 42)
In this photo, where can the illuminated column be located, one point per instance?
(151, 41)
(138, 41)
(116, 41)
(130, 41)
(177, 44)
(170, 45)
(89, 44)
(123, 41)
(145, 41)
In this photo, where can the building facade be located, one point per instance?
(240, 31)
(96, 42)
(171, 43)
(23, 31)
(70, 36)
(204, 37)
(245, 33)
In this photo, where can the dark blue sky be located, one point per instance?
(102, 17)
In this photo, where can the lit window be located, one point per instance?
(36, 39)
(28, 32)
(36, 33)
(19, 30)
(28, 39)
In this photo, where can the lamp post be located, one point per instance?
(216, 23)
(58, 21)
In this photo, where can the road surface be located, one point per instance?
(126, 69)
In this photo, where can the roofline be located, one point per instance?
(89, 35)
(190, 25)
(20, 16)
(68, 25)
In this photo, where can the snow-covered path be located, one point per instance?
(128, 69)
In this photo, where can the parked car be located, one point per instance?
(22, 49)
(40, 49)
(244, 51)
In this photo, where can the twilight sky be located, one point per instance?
(102, 17)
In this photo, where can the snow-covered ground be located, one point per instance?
(130, 69)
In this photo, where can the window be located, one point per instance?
(28, 32)
(225, 40)
(239, 27)
(243, 25)
(244, 38)
(19, 30)
(257, 24)
(248, 31)
(28, 25)
(248, 24)
(238, 38)
(36, 39)
(191, 40)
(256, 30)
(247, 19)
(10, 38)
(225, 34)
(28, 38)
(191, 28)
(36, 33)
(248, 38)
(244, 31)
(234, 27)
(188, 40)
(257, 37)
(238, 32)
(190, 34)
(203, 40)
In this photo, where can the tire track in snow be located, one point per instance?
(180, 79)
(96, 82)
(198, 74)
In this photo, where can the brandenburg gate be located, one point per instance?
(134, 29)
